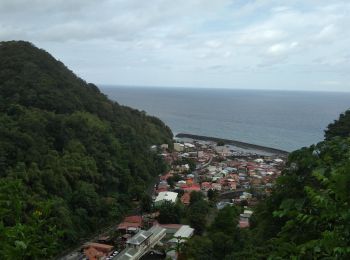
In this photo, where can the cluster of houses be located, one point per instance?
(236, 177)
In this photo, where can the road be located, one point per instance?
(195, 173)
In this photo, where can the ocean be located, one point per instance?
(286, 120)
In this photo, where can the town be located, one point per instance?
(222, 174)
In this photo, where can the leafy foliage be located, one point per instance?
(70, 159)
(170, 213)
(223, 238)
(340, 127)
(197, 212)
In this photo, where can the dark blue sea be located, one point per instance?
(285, 120)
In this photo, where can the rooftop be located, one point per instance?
(139, 238)
(185, 231)
(166, 195)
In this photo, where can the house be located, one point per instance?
(244, 218)
(183, 168)
(170, 229)
(223, 204)
(189, 146)
(216, 186)
(165, 196)
(246, 195)
(232, 185)
(166, 176)
(178, 147)
(190, 188)
(130, 224)
(181, 183)
(164, 146)
(206, 186)
(200, 154)
(184, 233)
(248, 212)
(243, 224)
(162, 186)
(96, 251)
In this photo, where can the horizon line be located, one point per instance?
(218, 88)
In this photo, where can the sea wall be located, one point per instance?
(235, 143)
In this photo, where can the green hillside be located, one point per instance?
(70, 159)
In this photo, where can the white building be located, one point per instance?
(189, 146)
(165, 196)
(179, 147)
(182, 234)
(164, 146)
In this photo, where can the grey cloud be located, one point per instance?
(189, 37)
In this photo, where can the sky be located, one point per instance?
(245, 44)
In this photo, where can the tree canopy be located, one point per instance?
(71, 160)
(340, 127)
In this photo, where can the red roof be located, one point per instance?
(193, 187)
(100, 247)
(206, 185)
(161, 189)
(131, 221)
(166, 176)
(95, 251)
(243, 224)
(93, 254)
(126, 225)
(170, 226)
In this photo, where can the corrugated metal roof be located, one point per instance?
(139, 238)
(185, 231)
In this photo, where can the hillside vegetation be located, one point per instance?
(70, 159)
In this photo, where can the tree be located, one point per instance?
(212, 194)
(146, 203)
(25, 237)
(226, 221)
(170, 213)
(340, 127)
(197, 215)
(195, 196)
(198, 247)
(197, 212)
(69, 149)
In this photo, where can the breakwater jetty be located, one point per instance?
(235, 143)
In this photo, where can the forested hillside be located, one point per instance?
(70, 159)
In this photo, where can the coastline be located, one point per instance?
(235, 143)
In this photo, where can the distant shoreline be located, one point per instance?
(235, 143)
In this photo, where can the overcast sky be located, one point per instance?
(267, 44)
